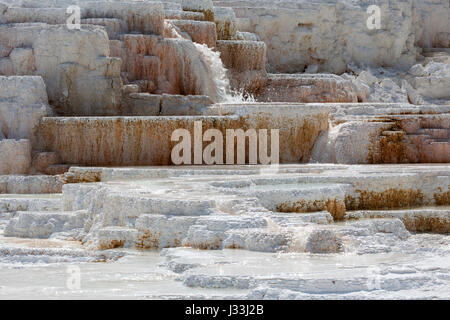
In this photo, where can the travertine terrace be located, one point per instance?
(358, 207)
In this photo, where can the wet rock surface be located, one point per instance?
(215, 239)
(358, 207)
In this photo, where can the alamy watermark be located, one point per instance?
(374, 20)
(73, 22)
(235, 146)
(74, 279)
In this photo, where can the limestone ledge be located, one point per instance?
(14, 203)
(23, 101)
(298, 125)
(247, 214)
(67, 72)
(342, 37)
(32, 184)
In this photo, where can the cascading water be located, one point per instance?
(216, 71)
(220, 78)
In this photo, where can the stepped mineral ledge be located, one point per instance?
(358, 206)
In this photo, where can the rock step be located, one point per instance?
(41, 225)
(362, 118)
(42, 160)
(122, 207)
(115, 27)
(440, 121)
(30, 203)
(436, 55)
(438, 151)
(417, 220)
(311, 285)
(308, 88)
(49, 163)
(441, 142)
(430, 150)
(428, 141)
(408, 122)
(34, 184)
(145, 104)
(57, 169)
(418, 139)
(212, 232)
(15, 154)
(393, 133)
(436, 143)
(93, 174)
(160, 231)
(171, 5)
(240, 176)
(141, 16)
(116, 237)
(294, 122)
(297, 220)
(4, 220)
(408, 111)
(203, 32)
(423, 121)
(184, 15)
(300, 198)
(436, 50)
(24, 255)
(436, 133)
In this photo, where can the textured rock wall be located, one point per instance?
(307, 88)
(204, 6)
(23, 101)
(385, 133)
(145, 17)
(15, 156)
(31, 184)
(117, 141)
(245, 62)
(172, 66)
(333, 34)
(349, 143)
(431, 81)
(432, 23)
(141, 17)
(146, 140)
(26, 15)
(203, 32)
(80, 76)
(145, 104)
(225, 20)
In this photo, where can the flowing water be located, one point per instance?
(144, 275)
(221, 88)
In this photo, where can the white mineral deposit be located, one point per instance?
(313, 160)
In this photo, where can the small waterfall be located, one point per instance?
(220, 78)
(216, 71)
(171, 31)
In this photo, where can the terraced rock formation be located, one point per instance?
(357, 207)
